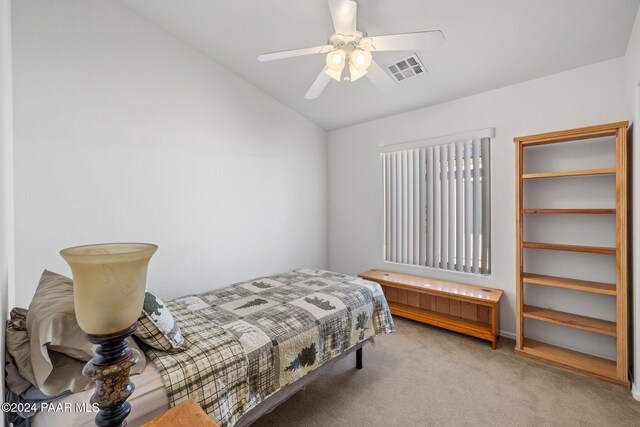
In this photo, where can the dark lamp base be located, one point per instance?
(110, 370)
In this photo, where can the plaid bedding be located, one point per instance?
(247, 341)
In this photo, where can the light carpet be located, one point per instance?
(426, 376)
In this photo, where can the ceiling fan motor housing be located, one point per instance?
(346, 42)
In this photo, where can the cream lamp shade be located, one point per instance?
(359, 62)
(335, 64)
(109, 282)
(361, 59)
(335, 60)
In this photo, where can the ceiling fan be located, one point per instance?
(349, 51)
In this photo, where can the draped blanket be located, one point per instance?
(249, 340)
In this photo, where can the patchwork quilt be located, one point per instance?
(249, 340)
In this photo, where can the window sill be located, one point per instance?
(443, 270)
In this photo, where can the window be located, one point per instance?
(438, 204)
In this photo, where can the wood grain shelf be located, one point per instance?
(568, 211)
(570, 248)
(566, 283)
(570, 320)
(599, 367)
(454, 323)
(563, 174)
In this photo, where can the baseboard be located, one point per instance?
(509, 335)
(635, 391)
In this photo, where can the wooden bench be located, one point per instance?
(468, 309)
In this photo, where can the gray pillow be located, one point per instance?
(58, 345)
(17, 341)
(158, 328)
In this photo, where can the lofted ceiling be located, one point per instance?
(489, 44)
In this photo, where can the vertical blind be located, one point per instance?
(438, 206)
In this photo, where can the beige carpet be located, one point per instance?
(425, 376)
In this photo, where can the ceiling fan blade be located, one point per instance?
(296, 52)
(343, 13)
(380, 78)
(409, 41)
(318, 85)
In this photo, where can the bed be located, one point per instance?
(251, 345)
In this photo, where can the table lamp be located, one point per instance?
(109, 282)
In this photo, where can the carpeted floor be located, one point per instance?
(425, 376)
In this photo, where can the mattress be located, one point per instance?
(148, 400)
(247, 341)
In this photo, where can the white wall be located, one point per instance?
(581, 97)
(6, 171)
(124, 133)
(632, 71)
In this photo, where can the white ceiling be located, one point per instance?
(490, 44)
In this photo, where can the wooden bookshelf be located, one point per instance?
(615, 371)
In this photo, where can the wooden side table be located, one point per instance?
(184, 414)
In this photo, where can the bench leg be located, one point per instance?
(359, 358)
(495, 325)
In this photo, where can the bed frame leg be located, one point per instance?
(359, 358)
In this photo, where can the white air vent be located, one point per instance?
(406, 68)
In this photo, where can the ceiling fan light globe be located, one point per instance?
(336, 60)
(355, 73)
(360, 59)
